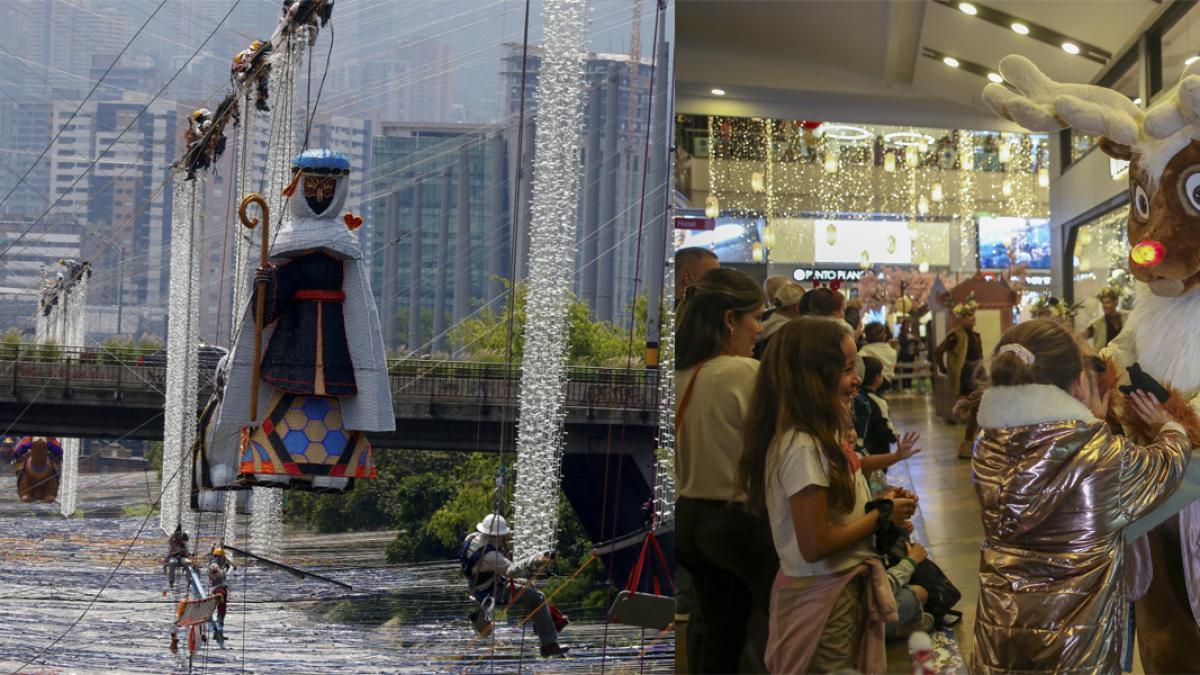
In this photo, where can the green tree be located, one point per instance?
(589, 342)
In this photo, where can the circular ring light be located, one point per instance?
(906, 138)
(845, 132)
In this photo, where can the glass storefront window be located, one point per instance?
(1101, 259)
(1080, 144)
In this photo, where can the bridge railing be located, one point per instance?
(102, 370)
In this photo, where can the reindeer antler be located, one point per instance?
(1041, 104)
(1180, 109)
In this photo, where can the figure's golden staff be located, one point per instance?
(260, 287)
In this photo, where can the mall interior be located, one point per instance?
(850, 146)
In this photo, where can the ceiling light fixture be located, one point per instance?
(1070, 47)
(845, 132)
(1137, 101)
(988, 72)
(718, 92)
(1022, 26)
(906, 138)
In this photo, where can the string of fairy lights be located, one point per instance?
(939, 181)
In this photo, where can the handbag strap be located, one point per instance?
(687, 397)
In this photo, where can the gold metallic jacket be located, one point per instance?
(1056, 489)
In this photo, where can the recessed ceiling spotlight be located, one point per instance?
(1190, 60)
(995, 77)
(1137, 101)
(1070, 47)
(1020, 28)
(718, 92)
(968, 8)
(950, 61)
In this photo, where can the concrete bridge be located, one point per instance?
(440, 405)
(611, 420)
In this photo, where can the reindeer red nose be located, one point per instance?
(1148, 253)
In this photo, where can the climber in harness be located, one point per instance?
(177, 554)
(219, 566)
(492, 578)
(251, 64)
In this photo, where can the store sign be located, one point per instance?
(801, 274)
(694, 223)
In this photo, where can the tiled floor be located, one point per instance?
(948, 518)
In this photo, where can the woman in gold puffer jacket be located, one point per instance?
(1056, 490)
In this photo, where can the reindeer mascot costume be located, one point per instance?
(1160, 344)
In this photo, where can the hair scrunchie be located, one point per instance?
(1021, 351)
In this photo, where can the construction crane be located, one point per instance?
(635, 55)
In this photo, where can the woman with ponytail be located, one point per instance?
(727, 551)
(1057, 489)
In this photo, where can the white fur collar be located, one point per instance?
(1165, 334)
(1026, 404)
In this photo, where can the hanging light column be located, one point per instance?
(559, 119)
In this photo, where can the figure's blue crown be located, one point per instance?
(321, 160)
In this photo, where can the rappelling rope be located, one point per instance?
(637, 272)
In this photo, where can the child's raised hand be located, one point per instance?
(1091, 396)
(906, 446)
(1149, 409)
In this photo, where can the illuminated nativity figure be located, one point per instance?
(323, 381)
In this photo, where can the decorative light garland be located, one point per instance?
(183, 330)
(780, 169)
(555, 199)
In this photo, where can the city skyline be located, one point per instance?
(431, 72)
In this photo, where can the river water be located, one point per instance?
(54, 618)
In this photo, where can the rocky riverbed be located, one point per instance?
(398, 619)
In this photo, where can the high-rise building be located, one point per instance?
(431, 158)
(123, 195)
(25, 265)
(613, 147)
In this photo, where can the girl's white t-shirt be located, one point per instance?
(793, 463)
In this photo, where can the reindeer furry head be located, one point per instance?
(1161, 144)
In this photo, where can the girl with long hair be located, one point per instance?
(831, 598)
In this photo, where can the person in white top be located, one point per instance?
(797, 468)
(876, 335)
(727, 552)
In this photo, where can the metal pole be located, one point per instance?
(656, 201)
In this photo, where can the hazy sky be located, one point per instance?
(365, 31)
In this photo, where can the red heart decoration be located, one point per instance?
(352, 221)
